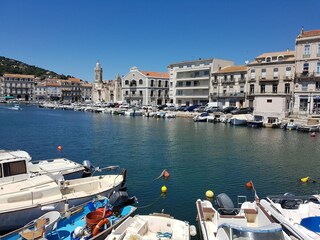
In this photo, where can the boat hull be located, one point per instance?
(255, 124)
(236, 121)
(21, 215)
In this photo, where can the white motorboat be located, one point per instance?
(203, 117)
(152, 227)
(15, 107)
(25, 199)
(21, 161)
(133, 112)
(291, 125)
(170, 115)
(250, 221)
(240, 119)
(300, 215)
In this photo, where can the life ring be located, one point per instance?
(100, 224)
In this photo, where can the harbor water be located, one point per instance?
(198, 156)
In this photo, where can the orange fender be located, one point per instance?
(100, 224)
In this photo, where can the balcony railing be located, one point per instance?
(278, 93)
(222, 95)
(305, 75)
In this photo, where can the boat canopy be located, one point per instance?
(271, 231)
(9, 97)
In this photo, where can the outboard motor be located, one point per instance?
(87, 168)
(225, 204)
(120, 199)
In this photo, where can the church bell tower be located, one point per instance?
(98, 73)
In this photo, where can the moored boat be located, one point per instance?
(92, 220)
(240, 119)
(30, 197)
(203, 117)
(226, 222)
(256, 122)
(300, 215)
(15, 107)
(152, 227)
(54, 167)
(291, 125)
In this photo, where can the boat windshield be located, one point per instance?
(236, 232)
(246, 235)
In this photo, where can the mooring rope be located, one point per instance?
(149, 205)
(159, 175)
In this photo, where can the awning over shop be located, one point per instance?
(9, 97)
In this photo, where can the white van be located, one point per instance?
(211, 104)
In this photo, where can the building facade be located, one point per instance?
(307, 78)
(86, 91)
(145, 87)
(17, 86)
(227, 86)
(270, 84)
(190, 81)
(105, 91)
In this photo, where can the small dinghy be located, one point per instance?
(92, 220)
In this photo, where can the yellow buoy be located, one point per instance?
(163, 189)
(209, 194)
(304, 180)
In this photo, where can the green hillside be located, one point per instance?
(8, 65)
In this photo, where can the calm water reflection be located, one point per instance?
(198, 156)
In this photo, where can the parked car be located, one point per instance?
(192, 107)
(170, 108)
(229, 109)
(213, 109)
(200, 109)
(181, 108)
(161, 107)
(242, 110)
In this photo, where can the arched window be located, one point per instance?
(140, 82)
(280, 58)
(133, 82)
(268, 59)
(126, 82)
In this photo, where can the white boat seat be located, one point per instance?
(44, 224)
(37, 232)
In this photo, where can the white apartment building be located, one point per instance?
(270, 84)
(145, 87)
(307, 79)
(18, 86)
(190, 81)
(227, 86)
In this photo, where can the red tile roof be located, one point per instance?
(233, 69)
(310, 33)
(155, 74)
(275, 54)
(18, 75)
(74, 79)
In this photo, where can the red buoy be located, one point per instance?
(249, 184)
(165, 174)
(59, 148)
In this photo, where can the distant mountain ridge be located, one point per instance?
(8, 65)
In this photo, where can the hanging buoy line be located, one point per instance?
(164, 174)
(149, 205)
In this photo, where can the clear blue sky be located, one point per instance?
(69, 36)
